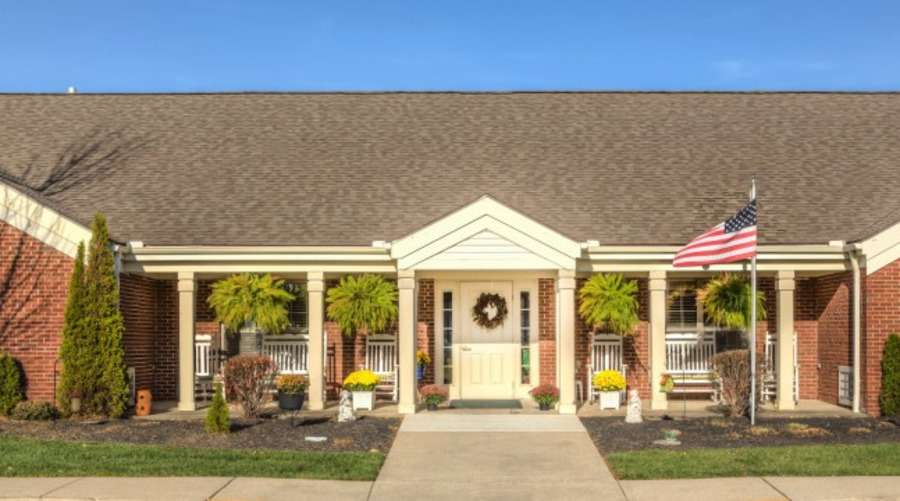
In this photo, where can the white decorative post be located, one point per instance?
(566, 341)
(784, 368)
(657, 338)
(406, 344)
(187, 296)
(315, 287)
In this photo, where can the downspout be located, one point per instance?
(855, 253)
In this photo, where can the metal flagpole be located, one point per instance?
(753, 320)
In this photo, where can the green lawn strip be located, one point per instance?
(804, 461)
(28, 457)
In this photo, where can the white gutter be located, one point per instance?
(854, 253)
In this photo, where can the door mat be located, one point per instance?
(486, 404)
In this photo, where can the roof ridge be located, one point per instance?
(460, 92)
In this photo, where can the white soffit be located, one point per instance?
(37, 220)
(882, 249)
(485, 235)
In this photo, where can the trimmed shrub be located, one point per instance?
(77, 351)
(249, 378)
(890, 377)
(732, 370)
(218, 419)
(10, 384)
(35, 411)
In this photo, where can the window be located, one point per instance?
(447, 310)
(525, 333)
(298, 309)
(682, 307)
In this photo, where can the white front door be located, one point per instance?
(487, 356)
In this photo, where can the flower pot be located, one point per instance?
(609, 399)
(291, 401)
(430, 406)
(75, 404)
(363, 400)
(420, 372)
(545, 406)
(144, 402)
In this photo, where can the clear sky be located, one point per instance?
(235, 45)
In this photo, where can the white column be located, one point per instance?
(187, 296)
(406, 283)
(315, 287)
(565, 287)
(657, 338)
(784, 370)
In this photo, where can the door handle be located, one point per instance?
(466, 348)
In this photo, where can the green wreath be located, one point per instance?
(480, 316)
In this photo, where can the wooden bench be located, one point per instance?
(695, 383)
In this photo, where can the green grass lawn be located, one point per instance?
(806, 461)
(20, 457)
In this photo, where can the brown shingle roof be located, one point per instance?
(350, 168)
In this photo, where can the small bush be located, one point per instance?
(35, 411)
(218, 419)
(249, 378)
(890, 377)
(10, 384)
(732, 370)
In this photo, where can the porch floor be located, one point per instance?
(705, 408)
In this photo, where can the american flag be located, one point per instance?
(733, 240)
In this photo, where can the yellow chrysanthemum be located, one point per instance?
(609, 380)
(364, 380)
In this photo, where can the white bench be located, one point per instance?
(381, 358)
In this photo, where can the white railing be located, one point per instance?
(289, 352)
(689, 353)
(202, 346)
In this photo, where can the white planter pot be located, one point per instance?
(363, 400)
(609, 399)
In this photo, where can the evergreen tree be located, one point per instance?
(890, 377)
(74, 353)
(217, 416)
(106, 326)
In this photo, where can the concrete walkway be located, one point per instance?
(440, 456)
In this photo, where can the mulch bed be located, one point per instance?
(365, 435)
(612, 434)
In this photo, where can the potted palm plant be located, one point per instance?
(251, 298)
(362, 385)
(726, 301)
(364, 304)
(609, 303)
(292, 391)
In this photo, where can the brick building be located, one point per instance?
(453, 195)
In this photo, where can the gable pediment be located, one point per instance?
(485, 235)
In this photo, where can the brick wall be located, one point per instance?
(834, 300)
(806, 325)
(881, 311)
(34, 280)
(137, 302)
(165, 377)
(425, 331)
(547, 336)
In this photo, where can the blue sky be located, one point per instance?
(231, 45)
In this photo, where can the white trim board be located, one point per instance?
(517, 242)
(39, 221)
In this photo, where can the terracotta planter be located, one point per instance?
(144, 403)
